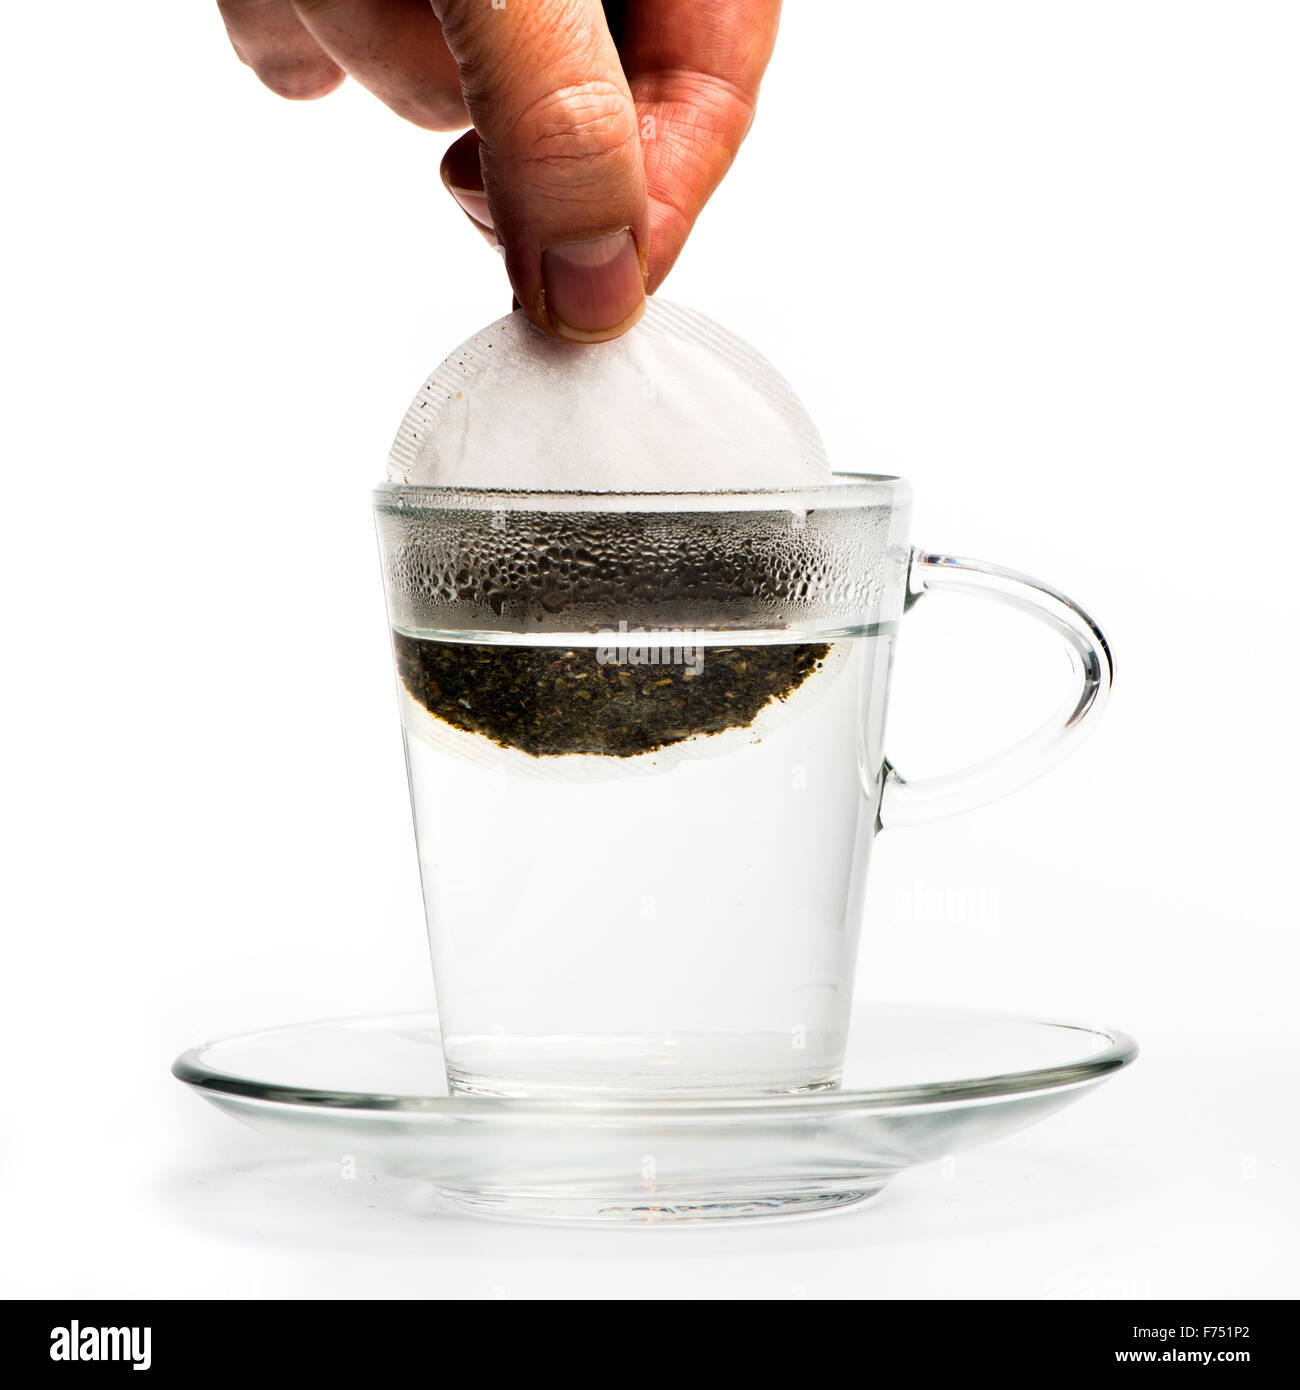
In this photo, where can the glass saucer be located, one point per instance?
(919, 1083)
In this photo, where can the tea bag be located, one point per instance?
(544, 740)
(676, 404)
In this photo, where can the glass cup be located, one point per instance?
(645, 741)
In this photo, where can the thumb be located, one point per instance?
(561, 158)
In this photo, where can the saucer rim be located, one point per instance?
(1119, 1051)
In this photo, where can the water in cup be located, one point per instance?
(643, 853)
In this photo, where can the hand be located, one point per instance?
(589, 163)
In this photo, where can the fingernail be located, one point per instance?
(594, 289)
(474, 202)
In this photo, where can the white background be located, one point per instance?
(1039, 258)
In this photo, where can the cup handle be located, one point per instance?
(931, 798)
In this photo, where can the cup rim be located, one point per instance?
(844, 491)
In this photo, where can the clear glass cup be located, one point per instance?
(645, 741)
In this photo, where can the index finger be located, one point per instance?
(267, 36)
(694, 68)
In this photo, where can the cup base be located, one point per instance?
(704, 1066)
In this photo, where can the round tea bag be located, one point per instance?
(676, 404)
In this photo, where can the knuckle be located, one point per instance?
(582, 126)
